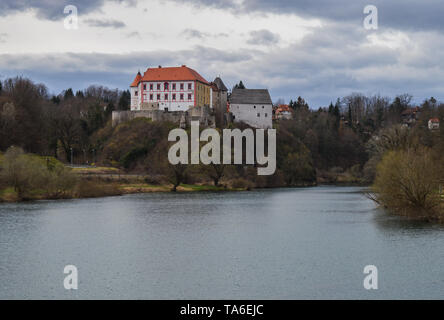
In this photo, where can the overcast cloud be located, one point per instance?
(317, 49)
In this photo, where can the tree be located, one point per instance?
(215, 172)
(79, 94)
(66, 125)
(176, 174)
(124, 100)
(239, 85)
(22, 172)
(68, 94)
(300, 104)
(406, 182)
(29, 174)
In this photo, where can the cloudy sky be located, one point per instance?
(317, 49)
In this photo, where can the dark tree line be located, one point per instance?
(53, 125)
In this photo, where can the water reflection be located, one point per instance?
(281, 243)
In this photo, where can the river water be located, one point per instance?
(308, 243)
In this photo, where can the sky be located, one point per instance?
(320, 50)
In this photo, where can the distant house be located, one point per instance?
(283, 112)
(252, 106)
(410, 116)
(434, 124)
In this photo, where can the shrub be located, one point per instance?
(407, 182)
(30, 175)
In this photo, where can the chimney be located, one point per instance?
(183, 66)
(160, 66)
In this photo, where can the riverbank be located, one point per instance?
(96, 182)
(88, 189)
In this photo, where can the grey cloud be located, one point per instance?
(193, 34)
(196, 34)
(3, 37)
(53, 9)
(134, 34)
(263, 37)
(326, 64)
(104, 23)
(399, 14)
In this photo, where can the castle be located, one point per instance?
(176, 94)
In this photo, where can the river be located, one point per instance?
(308, 243)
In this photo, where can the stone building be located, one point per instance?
(252, 106)
(220, 100)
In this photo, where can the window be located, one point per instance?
(158, 97)
(262, 107)
(166, 96)
(189, 86)
(181, 86)
(151, 86)
(158, 86)
(136, 93)
(165, 86)
(174, 86)
(258, 115)
(266, 115)
(151, 97)
(181, 96)
(255, 107)
(174, 96)
(144, 87)
(189, 96)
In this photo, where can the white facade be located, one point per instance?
(171, 95)
(258, 116)
(433, 124)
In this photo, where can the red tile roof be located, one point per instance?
(434, 120)
(136, 80)
(182, 73)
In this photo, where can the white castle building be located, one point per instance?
(170, 89)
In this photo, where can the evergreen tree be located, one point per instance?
(68, 94)
(331, 108)
(239, 85)
(124, 100)
(55, 99)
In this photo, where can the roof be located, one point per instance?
(283, 107)
(435, 120)
(136, 80)
(411, 111)
(182, 73)
(220, 84)
(250, 96)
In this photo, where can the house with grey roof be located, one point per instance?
(252, 106)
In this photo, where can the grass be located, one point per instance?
(96, 170)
